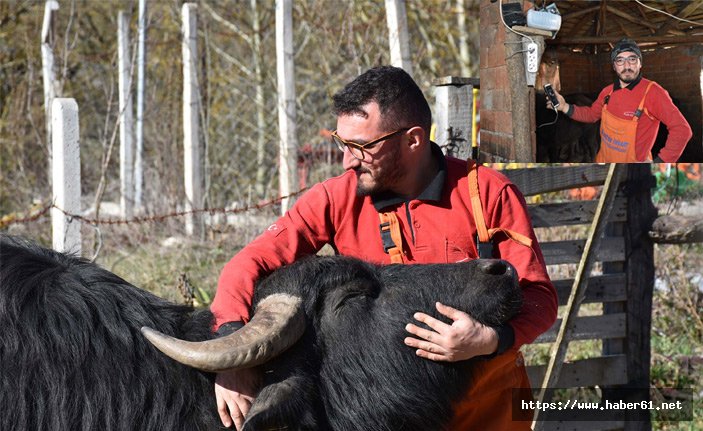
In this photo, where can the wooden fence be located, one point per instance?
(623, 287)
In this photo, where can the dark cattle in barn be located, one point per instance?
(71, 356)
(561, 139)
(693, 152)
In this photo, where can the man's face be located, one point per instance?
(381, 169)
(627, 66)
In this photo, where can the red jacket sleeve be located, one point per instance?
(302, 231)
(591, 114)
(661, 107)
(539, 310)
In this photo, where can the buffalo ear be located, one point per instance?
(291, 404)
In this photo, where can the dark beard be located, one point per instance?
(383, 183)
(628, 80)
(362, 191)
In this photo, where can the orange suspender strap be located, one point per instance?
(391, 237)
(393, 240)
(484, 242)
(476, 206)
(639, 110)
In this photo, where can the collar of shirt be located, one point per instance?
(630, 86)
(433, 191)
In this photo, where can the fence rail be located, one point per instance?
(623, 287)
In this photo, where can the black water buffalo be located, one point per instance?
(71, 356)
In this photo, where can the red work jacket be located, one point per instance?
(658, 108)
(437, 227)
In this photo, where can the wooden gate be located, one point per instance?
(622, 282)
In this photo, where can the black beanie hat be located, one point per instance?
(625, 45)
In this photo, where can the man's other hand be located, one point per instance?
(463, 339)
(235, 391)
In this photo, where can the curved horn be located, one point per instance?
(278, 323)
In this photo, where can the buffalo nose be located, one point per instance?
(494, 267)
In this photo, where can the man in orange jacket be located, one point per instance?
(394, 172)
(630, 111)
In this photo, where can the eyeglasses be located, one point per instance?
(357, 150)
(621, 60)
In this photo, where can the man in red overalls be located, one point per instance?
(630, 111)
(396, 176)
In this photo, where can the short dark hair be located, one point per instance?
(400, 100)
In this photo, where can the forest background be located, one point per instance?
(334, 41)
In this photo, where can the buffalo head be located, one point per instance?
(328, 335)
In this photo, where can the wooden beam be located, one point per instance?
(571, 213)
(601, 288)
(676, 229)
(519, 100)
(569, 251)
(603, 40)
(578, 13)
(688, 10)
(639, 268)
(608, 370)
(588, 328)
(627, 16)
(533, 181)
(578, 291)
(623, 27)
(683, 12)
(600, 20)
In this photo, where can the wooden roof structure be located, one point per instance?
(594, 25)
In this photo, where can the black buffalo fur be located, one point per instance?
(72, 356)
(352, 370)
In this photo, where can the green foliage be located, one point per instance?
(675, 184)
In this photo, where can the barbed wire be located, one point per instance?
(37, 213)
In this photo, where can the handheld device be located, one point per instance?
(549, 91)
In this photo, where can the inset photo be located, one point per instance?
(592, 81)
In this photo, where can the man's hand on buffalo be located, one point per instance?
(463, 339)
(235, 391)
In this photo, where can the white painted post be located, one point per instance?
(191, 124)
(141, 78)
(288, 156)
(398, 35)
(48, 74)
(126, 123)
(463, 29)
(453, 114)
(66, 176)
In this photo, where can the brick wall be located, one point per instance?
(496, 117)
